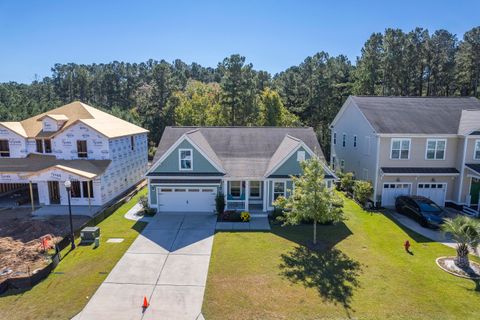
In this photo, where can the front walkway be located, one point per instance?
(167, 263)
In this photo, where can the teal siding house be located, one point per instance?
(251, 166)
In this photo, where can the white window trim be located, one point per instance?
(400, 154)
(259, 190)
(355, 141)
(435, 150)
(284, 188)
(344, 140)
(180, 159)
(475, 149)
(334, 138)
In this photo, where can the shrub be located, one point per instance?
(346, 182)
(143, 202)
(220, 203)
(362, 191)
(245, 216)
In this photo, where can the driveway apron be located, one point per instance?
(167, 263)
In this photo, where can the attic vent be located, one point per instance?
(301, 156)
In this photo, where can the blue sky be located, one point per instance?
(272, 34)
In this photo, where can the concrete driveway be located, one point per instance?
(432, 234)
(167, 263)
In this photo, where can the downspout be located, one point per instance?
(376, 170)
(462, 170)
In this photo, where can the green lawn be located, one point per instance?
(61, 296)
(363, 273)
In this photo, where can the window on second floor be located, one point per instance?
(48, 145)
(354, 141)
(342, 165)
(300, 156)
(334, 138)
(82, 149)
(344, 140)
(476, 152)
(39, 143)
(185, 159)
(4, 149)
(436, 149)
(132, 142)
(334, 159)
(400, 149)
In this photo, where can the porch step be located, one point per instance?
(470, 212)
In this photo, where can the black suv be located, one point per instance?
(421, 209)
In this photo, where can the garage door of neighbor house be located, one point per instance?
(186, 199)
(433, 191)
(392, 190)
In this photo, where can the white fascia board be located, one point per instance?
(417, 135)
(420, 174)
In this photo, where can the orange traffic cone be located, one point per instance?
(145, 302)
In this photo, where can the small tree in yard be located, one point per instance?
(362, 191)
(311, 199)
(346, 182)
(466, 232)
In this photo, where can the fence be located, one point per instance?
(27, 282)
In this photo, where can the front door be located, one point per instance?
(474, 191)
(54, 192)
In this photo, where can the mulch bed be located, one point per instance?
(229, 216)
(448, 264)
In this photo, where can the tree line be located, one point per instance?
(155, 94)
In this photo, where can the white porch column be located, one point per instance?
(265, 195)
(247, 193)
(224, 191)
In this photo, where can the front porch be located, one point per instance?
(246, 195)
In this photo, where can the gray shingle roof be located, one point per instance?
(242, 151)
(417, 115)
(474, 166)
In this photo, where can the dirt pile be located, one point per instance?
(21, 246)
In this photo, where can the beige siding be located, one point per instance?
(417, 153)
(357, 159)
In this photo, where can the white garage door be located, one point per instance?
(433, 191)
(392, 190)
(177, 199)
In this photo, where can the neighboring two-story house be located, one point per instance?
(100, 154)
(426, 146)
(251, 166)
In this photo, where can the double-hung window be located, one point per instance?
(235, 189)
(344, 140)
(48, 145)
(400, 149)
(4, 149)
(476, 152)
(334, 138)
(39, 143)
(436, 149)
(186, 157)
(255, 189)
(278, 189)
(354, 141)
(82, 149)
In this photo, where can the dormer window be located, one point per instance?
(185, 159)
(53, 122)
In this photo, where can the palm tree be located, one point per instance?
(466, 232)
